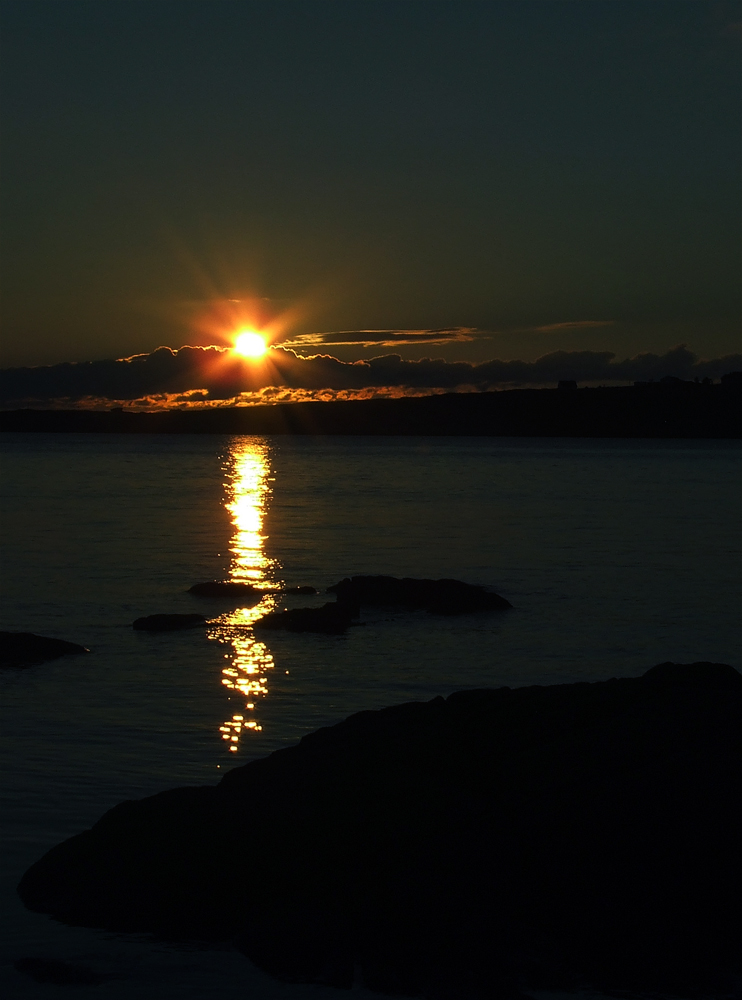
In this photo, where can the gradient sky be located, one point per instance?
(360, 165)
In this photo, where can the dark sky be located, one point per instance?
(371, 165)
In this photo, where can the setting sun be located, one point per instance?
(250, 345)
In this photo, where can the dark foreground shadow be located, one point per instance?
(461, 848)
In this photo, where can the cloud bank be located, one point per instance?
(212, 374)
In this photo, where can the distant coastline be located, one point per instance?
(668, 409)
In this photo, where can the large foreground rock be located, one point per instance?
(442, 597)
(52, 970)
(453, 848)
(23, 649)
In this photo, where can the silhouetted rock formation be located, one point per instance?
(441, 597)
(23, 649)
(227, 589)
(299, 590)
(167, 623)
(451, 848)
(330, 618)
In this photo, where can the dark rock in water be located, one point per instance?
(20, 649)
(441, 597)
(299, 590)
(331, 618)
(52, 970)
(167, 623)
(453, 848)
(237, 591)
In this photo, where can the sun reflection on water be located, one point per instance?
(248, 491)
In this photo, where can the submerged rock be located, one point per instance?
(330, 618)
(441, 597)
(167, 623)
(452, 849)
(22, 649)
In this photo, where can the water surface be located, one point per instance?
(615, 554)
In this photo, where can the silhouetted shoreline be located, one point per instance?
(651, 410)
(461, 847)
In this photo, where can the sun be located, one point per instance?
(250, 344)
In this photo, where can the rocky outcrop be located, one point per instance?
(453, 849)
(23, 649)
(441, 597)
(167, 623)
(330, 618)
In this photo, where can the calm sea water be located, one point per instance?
(615, 554)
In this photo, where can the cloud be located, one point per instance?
(443, 335)
(209, 374)
(580, 324)
(382, 338)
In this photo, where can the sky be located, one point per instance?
(479, 181)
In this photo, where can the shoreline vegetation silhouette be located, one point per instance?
(670, 408)
(467, 847)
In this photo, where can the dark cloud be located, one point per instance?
(382, 338)
(221, 374)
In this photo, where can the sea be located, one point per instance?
(615, 554)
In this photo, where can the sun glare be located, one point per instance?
(250, 345)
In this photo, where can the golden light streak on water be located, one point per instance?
(248, 494)
(247, 497)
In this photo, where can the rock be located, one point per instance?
(299, 590)
(442, 597)
(52, 970)
(19, 649)
(332, 618)
(167, 623)
(237, 591)
(580, 833)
